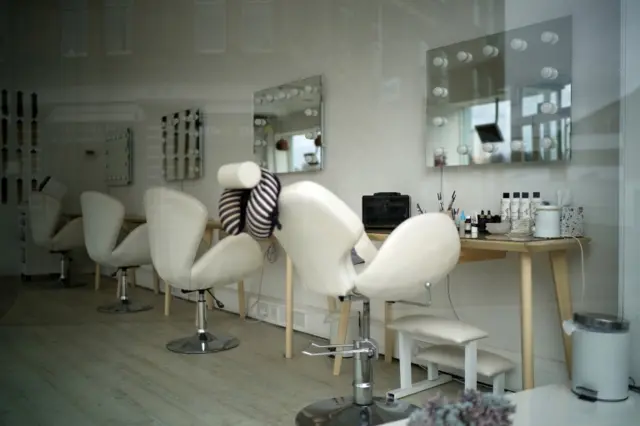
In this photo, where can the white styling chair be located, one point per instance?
(318, 232)
(103, 217)
(44, 218)
(177, 223)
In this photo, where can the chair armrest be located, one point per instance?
(70, 236)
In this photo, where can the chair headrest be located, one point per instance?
(244, 175)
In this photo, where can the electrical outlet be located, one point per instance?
(263, 310)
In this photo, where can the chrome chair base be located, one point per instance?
(203, 343)
(124, 307)
(344, 412)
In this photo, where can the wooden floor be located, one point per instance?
(63, 363)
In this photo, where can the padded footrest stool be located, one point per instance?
(462, 354)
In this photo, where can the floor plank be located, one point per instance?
(63, 363)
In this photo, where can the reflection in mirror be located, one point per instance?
(503, 98)
(287, 127)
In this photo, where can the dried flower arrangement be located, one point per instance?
(472, 409)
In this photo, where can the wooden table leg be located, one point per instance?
(343, 326)
(563, 297)
(389, 335)
(288, 349)
(208, 239)
(526, 318)
(156, 281)
(241, 301)
(167, 299)
(332, 304)
(96, 278)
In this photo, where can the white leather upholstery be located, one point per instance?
(319, 230)
(103, 217)
(176, 226)
(488, 364)
(44, 215)
(429, 326)
(239, 175)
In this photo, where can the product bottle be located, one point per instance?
(515, 206)
(467, 225)
(482, 222)
(461, 225)
(474, 231)
(525, 206)
(490, 218)
(505, 207)
(535, 203)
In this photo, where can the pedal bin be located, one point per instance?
(601, 356)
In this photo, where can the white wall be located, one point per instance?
(630, 188)
(371, 53)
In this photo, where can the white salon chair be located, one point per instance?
(103, 217)
(318, 233)
(44, 220)
(176, 226)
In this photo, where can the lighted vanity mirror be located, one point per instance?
(503, 98)
(287, 127)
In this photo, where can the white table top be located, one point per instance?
(556, 405)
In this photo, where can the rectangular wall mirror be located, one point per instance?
(119, 162)
(288, 127)
(503, 98)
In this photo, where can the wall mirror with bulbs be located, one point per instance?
(503, 98)
(288, 127)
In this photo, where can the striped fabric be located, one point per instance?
(255, 209)
(232, 210)
(262, 210)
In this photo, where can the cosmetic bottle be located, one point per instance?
(505, 207)
(515, 206)
(482, 222)
(461, 225)
(525, 206)
(467, 226)
(536, 202)
(474, 231)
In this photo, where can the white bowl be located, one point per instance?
(499, 228)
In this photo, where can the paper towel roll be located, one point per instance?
(239, 175)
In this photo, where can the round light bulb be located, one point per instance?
(438, 152)
(463, 149)
(549, 73)
(549, 37)
(548, 142)
(281, 96)
(440, 92)
(314, 113)
(308, 112)
(440, 62)
(519, 44)
(310, 136)
(488, 148)
(308, 89)
(439, 121)
(268, 98)
(258, 101)
(517, 146)
(548, 108)
(490, 51)
(294, 92)
(464, 56)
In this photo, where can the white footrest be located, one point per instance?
(428, 326)
(488, 363)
